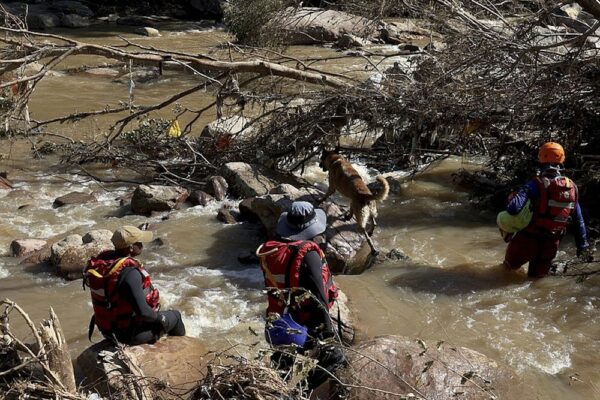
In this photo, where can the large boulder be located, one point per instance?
(171, 364)
(72, 7)
(74, 21)
(71, 254)
(400, 365)
(43, 20)
(73, 198)
(225, 130)
(209, 9)
(247, 180)
(25, 247)
(347, 250)
(148, 198)
(306, 26)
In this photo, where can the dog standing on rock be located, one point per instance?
(346, 180)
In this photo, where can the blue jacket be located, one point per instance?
(531, 191)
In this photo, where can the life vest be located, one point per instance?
(111, 313)
(280, 262)
(553, 209)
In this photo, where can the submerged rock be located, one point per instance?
(73, 198)
(148, 198)
(200, 198)
(226, 215)
(397, 364)
(141, 75)
(171, 364)
(148, 31)
(103, 72)
(25, 247)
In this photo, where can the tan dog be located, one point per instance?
(344, 178)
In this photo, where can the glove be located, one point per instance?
(164, 322)
(585, 254)
(506, 236)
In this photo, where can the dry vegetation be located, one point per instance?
(503, 77)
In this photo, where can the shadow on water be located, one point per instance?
(457, 280)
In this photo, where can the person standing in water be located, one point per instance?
(554, 201)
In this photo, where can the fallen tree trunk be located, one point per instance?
(37, 51)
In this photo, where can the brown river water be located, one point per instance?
(452, 289)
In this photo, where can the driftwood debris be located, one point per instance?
(42, 370)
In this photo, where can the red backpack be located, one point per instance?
(281, 261)
(111, 313)
(557, 202)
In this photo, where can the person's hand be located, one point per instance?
(586, 254)
(506, 236)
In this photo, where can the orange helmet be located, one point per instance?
(551, 153)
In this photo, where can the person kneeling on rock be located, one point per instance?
(300, 292)
(125, 302)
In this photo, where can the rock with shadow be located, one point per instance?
(71, 254)
(149, 198)
(347, 250)
(428, 369)
(172, 366)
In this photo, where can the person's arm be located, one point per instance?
(130, 287)
(312, 279)
(581, 239)
(528, 191)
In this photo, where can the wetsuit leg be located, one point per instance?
(330, 359)
(521, 249)
(142, 337)
(174, 323)
(541, 264)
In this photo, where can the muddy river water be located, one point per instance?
(452, 289)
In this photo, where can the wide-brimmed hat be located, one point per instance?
(127, 235)
(301, 222)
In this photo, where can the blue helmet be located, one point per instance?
(286, 331)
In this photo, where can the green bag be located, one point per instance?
(513, 223)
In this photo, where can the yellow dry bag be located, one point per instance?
(174, 129)
(513, 223)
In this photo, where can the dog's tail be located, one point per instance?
(382, 194)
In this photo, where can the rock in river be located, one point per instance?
(396, 364)
(148, 198)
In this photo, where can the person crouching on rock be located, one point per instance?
(300, 292)
(125, 302)
(555, 201)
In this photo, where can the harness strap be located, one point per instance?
(91, 327)
(295, 251)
